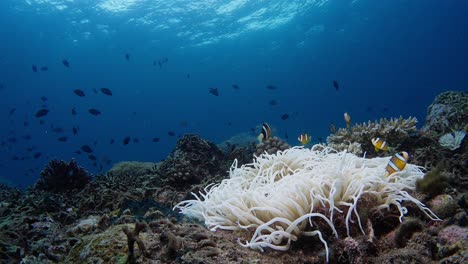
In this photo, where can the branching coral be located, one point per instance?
(298, 192)
(394, 131)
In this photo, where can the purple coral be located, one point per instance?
(59, 176)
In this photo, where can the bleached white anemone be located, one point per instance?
(278, 196)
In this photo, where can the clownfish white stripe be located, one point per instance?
(394, 167)
(400, 157)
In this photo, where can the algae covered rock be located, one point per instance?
(448, 112)
(134, 168)
(193, 160)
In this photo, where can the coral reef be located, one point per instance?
(448, 112)
(357, 139)
(59, 176)
(271, 146)
(279, 196)
(276, 196)
(193, 160)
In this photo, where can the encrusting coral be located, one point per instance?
(357, 139)
(299, 191)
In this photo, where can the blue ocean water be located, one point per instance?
(389, 57)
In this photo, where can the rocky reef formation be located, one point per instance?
(61, 176)
(271, 146)
(448, 112)
(101, 220)
(191, 161)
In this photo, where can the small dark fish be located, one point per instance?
(78, 152)
(126, 141)
(271, 87)
(37, 155)
(2, 86)
(86, 149)
(106, 91)
(12, 111)
(44, 68)
(369, 109)
(284, 116)
(127, 56)
(136, 140)
(74, 111)
(286, 135)
(25, 123)
(15, 158)
(273, 102)
(184, 124)
(171, 133)
(108, 162)
(62, 139)
(112, 141)
(188, 75)
(42, 112)
(94, 112)
(214, 91)
(336, 85)
(41, 122)
(27, 137)
(12, 140)
(95, 142)
(34, 68)
(44, 99)
(79, 92)
(92, 157)
(229, 123)
(320, 140)
(235, 86)
(66, 63)
(95, 90)
(75, 131)
(156, 139)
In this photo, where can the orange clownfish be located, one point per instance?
(397, 162)
(266, 133)
(379, 144)
(304, 139)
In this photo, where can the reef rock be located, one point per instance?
(448, 112)
(193, 160)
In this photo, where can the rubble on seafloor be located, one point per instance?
(126, 216)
